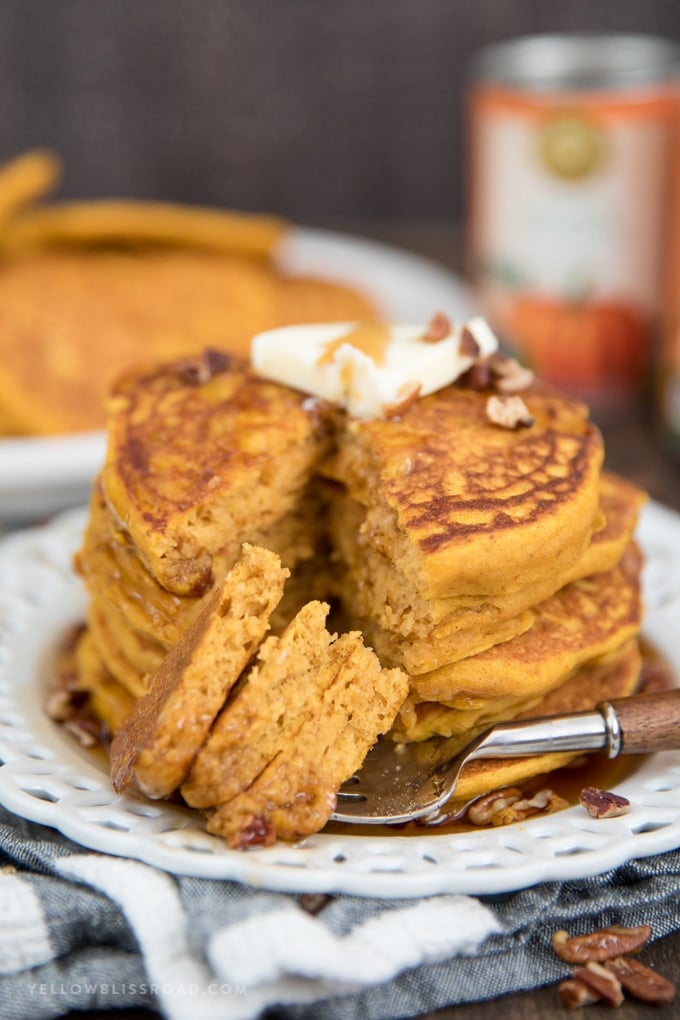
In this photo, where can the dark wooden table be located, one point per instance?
(634, 450)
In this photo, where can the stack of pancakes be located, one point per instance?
(494, 566)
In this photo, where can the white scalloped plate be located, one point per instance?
(39, 476)
(48, 778)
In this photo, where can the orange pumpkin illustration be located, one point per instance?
(581, 345)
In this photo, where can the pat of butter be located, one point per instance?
(314, 359)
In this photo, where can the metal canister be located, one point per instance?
(571, 146)
(667, 390)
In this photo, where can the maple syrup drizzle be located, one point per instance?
(371, 338)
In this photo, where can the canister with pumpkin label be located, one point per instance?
(667, 417)
(570, 151)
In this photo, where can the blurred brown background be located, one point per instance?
(326, 111)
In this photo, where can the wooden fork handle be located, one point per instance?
(643, 723)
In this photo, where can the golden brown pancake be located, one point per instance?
(616, 678)
(462, 507)
(584, 622)
(298, 681)
(424, 629)
(306, 299)
(107, 699)
(130, 661)
(169, 724)
(299, 725)
(450, 525)
(118, 580)
(201, 454)
(72, 321)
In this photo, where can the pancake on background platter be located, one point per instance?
(488, 562)
(88, 289)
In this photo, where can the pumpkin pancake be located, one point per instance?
(616, 678)
(494, 563)
(72, 322)
(109, 701)
(169, 724)
(116, 577)
(301, 299)
(465, 508)
(584, 622)
(199, 454)
(129, 660)
(300, 724)
(379, 591)
(297, 680)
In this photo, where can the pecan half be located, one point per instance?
(603, 803)
(603, 982)
(508, 412)
(601, 945)
(574, 994)
(642, 982)
(439, 328)
(468, 346)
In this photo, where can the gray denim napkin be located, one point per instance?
(80, 930)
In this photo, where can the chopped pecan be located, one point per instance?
(313, 903)
(601, 945)
(86, 730)
(574, 994)
(477, 377)
(545, 800)
(603, 803)
(468, 346)
(407, 395)
(438, 329)
(602, 981)
(483, 810)
(198, 370)
(510, 375)
(59, 705)
(508, 412)
(642, 982)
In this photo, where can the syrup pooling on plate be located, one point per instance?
(88, 729)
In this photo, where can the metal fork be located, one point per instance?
(401, 783)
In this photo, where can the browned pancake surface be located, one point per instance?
(463, 507)
(201, 453)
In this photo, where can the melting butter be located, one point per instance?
(366, 367)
